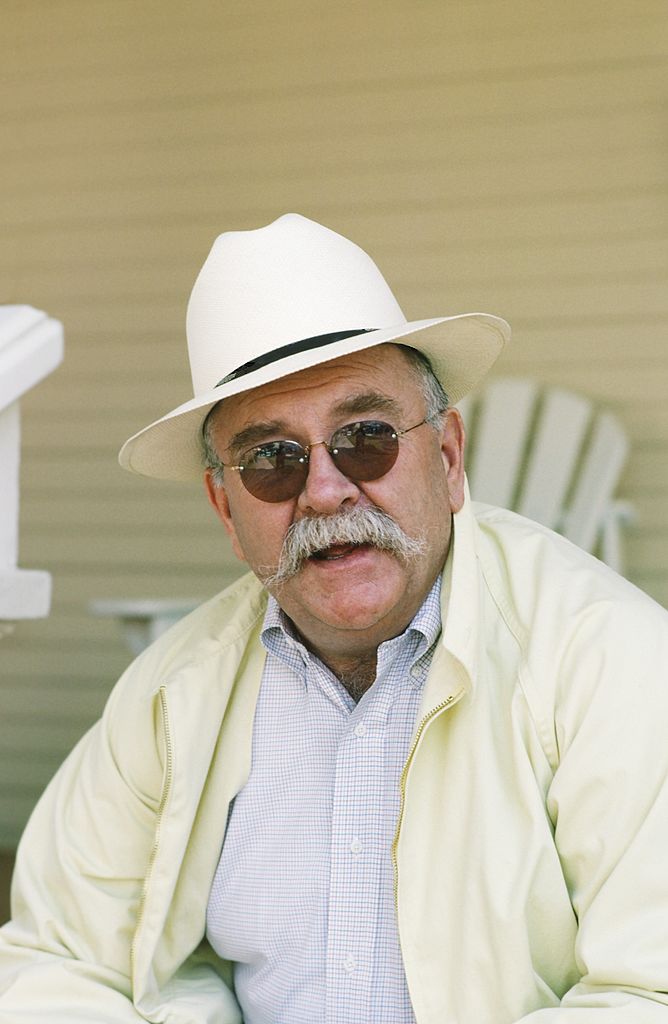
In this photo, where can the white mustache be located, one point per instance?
(360, 526)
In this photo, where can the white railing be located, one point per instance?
(31, 347)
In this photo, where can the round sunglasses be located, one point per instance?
(277, 470)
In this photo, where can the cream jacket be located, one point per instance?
(532, 847)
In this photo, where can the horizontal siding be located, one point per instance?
(263, 53)
(504, 157)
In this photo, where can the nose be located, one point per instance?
(326, 489)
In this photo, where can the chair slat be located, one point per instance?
(556, 445)
(499, 439)
(599, 473)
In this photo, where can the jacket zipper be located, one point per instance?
(402, 786)
(164, 796)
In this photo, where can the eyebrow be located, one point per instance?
(255, 434)
(367, 401)
(354, 405)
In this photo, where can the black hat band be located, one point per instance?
(290, 350)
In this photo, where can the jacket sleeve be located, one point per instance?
(78, 882)
(609, 805)
(79, 873)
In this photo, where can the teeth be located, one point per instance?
(333, 552)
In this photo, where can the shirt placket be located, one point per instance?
(354, 867)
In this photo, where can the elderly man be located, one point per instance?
(413, 768)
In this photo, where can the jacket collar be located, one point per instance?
(454, 667)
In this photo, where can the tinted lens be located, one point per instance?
(366, 450)
(275, 471)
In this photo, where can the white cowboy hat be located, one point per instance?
(275, 300)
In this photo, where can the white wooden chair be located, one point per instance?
(548, 454)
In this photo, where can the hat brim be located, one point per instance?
(461, 350)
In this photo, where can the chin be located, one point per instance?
(354, 613)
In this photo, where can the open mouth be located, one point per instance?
(336, 551)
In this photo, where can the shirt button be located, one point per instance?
(349, 964)
(415, 671)
(356, 846)
(360, 729)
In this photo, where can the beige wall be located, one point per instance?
(491, 155)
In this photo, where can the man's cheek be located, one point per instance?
(237, 545)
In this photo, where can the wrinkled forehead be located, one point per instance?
(378, 379)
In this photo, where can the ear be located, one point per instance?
(453, 442)
(220, 503)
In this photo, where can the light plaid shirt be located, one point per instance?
(303, 899)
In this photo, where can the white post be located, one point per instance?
(10, 435)
(31, 346)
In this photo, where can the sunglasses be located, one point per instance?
(277, 470)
